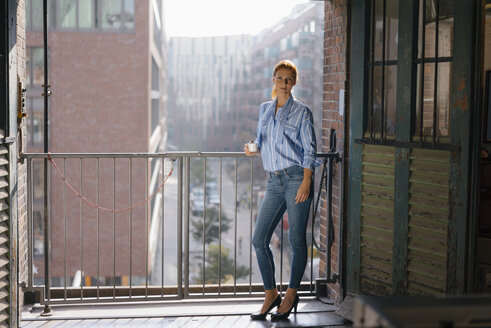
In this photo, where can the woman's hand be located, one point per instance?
(249, 153)
(303, 192)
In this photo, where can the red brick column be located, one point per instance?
(22, 147)
(335, 77)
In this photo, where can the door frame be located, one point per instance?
(462, 148)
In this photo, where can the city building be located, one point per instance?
(217, 83)
(107, 78)
(299, 38)
(208, 85)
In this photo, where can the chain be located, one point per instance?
(104, 208)
(316, 206)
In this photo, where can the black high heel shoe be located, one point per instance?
(282, 316)
(262, 316)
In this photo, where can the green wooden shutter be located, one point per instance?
(428, 221)
(4, 238)
(377, 226)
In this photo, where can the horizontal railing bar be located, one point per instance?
(110, 299)
(172, 154)
(122, 292)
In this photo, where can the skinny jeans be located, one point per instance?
(281, 190)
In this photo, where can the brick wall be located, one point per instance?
(22, 142)
(335, 75)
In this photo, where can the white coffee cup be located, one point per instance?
(252, 147)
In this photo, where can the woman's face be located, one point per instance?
(284, 80)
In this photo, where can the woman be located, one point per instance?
(286, 142)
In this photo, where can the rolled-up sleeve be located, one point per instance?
(259, 138)
(309, 143)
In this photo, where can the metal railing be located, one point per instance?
(178, 225)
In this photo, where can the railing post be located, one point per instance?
(47, 309)
(186, 225)
(47, 284)
(30, 248)
(179, 228)
(329, 239)
(250, 226)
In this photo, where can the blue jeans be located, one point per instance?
(280, 196)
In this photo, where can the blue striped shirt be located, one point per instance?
(287, 138)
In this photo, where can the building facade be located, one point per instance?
(411, 196)
(299, 38)
(107, 75)
(208, 81)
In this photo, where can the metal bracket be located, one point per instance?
(7, 140)
(321, 285)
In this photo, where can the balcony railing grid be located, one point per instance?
(217, 192)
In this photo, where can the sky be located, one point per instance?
(196, 18)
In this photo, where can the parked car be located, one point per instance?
(197, 202)
(214, 199)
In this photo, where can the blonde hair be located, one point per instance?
(284, 64)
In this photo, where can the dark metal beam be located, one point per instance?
(360, 39)
(462, 106)
(406, 103)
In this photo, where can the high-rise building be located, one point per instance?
(107, 75)
(208, 84)
(299, 38)
(216, 84)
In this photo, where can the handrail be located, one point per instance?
(183, 203)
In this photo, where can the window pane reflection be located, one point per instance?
(111, 14)
(443, 109)
(85, 13)
(129, 13)
(392, 26)
(390, 99)
(67, 10)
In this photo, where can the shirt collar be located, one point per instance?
(286, 107)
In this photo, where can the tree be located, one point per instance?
(212, 264)
(212, 225)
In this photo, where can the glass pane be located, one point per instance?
(34, 14)
(428, 99)
(379, 30)
(67, 10)
(37, 66)
(111, 13)
(38, 224)
(37, 14)
(390, 99)
(28, 14)
(28, 67)
(392, 27)
(445, 37)
(37, 132)
(428, 29)
(129, 14)
(85, 13)
(377, 99)
(444, 86)
(38, 179)
(417, 125)
(430, 38)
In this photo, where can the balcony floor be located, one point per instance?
(188, 313)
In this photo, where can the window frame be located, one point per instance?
(405, 134)
(96, 19)
(372, 65)
(436, 60)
